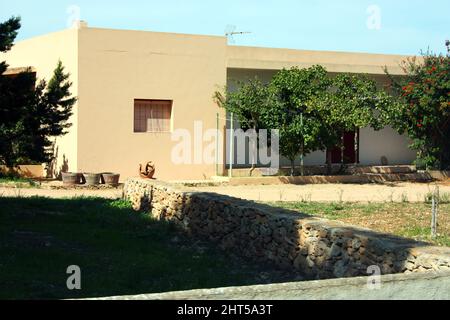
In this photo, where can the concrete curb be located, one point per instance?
(414, 286)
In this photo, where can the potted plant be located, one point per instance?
(111, 179)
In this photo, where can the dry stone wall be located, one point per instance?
(318, 248)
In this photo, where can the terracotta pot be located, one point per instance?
(92, 179)
(71, 178)
(111, 179)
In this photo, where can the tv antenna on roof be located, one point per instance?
(230, 32)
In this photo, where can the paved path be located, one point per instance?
(412, 192)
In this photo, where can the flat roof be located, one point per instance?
(264, 58)
(241, 57)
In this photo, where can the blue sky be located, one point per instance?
(379, 26)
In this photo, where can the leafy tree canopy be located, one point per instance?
(423, 109)
(310, 109)
(248, 103)
(294, 109)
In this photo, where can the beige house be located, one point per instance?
(136, 88)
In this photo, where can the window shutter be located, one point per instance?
(152, 115)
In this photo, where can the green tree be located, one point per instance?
(8, 33)
(294, 111)
(310, 109)
(423, 111)
(353, 102)
(248, 105)
(31, 113)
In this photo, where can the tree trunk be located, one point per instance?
(302, 155)
(356, 146)
(302, 166)
(254, 151)
(292, 167)
(329, 164)
(252, 169)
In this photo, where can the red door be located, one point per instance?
(349, 151)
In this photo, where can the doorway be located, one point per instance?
(350, 151)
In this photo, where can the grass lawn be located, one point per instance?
(118, 250)
(122, 252)
(17, 182)
(411, 220)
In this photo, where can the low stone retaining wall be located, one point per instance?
(317, 247)
(26, 171)
(321, 170)
(439, 175)
(350, 179)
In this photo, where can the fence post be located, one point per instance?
(302, 161)
(230, 171)
(217, 144)
(434, 212)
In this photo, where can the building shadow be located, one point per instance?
(54, 168)
(119, 252)
(293, 241)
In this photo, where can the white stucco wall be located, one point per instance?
(373, 145)
(386, 142)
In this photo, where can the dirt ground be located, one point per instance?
(393, 192)
(49, 193)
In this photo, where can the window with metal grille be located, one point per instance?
(152, 115)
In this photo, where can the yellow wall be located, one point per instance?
(42, 53)
(117, 67)
(26, 171)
